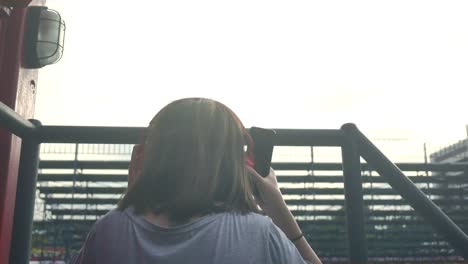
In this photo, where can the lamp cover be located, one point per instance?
(44, 37)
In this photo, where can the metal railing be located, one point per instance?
(353, 143)
(313, 191)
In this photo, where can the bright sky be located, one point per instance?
(398, 69)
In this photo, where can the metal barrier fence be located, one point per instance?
(352, 142)
(75, 193)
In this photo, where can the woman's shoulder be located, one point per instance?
(248, 219)
(116, 219)
(113, 218)
(115, 215)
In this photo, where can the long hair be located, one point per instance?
(194, 162)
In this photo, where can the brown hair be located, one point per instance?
(194, 162)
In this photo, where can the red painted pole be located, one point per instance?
(17, 90)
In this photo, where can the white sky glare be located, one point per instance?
(398, 69)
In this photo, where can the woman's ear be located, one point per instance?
(136, 163)
(249, 159)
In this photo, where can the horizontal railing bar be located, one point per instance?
(369, 179)
(285, 191)
(368, 191)
(82, 177)
(68, 164)
(91, 134)
(133, 135)
(416, 167)
(371, 213)
(78, 190)
(63, 201)
(281, 178)
(14, 123)
(48, 164)
(98, 212)
(309, 137)
(300, 202)
(396, 213)
(335, 202)
(302, 223)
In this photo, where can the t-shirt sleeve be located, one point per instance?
(282, 250)
(87, 254)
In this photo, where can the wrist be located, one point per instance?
(273, 201)
(296, 238)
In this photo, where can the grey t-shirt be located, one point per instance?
(227, 238)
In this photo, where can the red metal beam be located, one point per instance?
(17, 90)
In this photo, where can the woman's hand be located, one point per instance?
(273, 204)
(269, 195)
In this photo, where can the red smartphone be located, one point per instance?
(263, 142)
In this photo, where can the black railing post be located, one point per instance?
(411, 193)
(25, 198)
(354, 204)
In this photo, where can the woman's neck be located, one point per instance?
(163, 219)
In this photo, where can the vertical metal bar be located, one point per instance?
(411, 193)
(25, 198)
(354, 203)
(75, 172)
